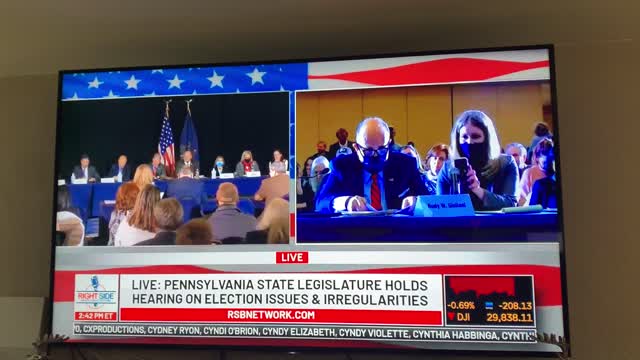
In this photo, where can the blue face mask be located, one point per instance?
(373, 164)
(219, 163)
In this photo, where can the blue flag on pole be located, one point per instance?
(189, 137)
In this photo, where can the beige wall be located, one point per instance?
(422, 114)
(597, 67)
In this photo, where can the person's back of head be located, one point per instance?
(64, 199)
(227, 194)
(126, 196)
(143, 176)
(168, 214)
(541, 130)
(195, 232)
(275, 220)
(186, 172)
(142, 215)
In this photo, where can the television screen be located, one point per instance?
(393, 202)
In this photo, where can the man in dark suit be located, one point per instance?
(186, 187)
(121, 171)
(373, 177)
(85, 170)
(157, 168)
(343, 142)
(188, 161)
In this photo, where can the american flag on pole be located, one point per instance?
(166, 145)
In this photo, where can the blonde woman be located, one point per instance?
(143, 176)
(140, 225)
(273, 226)
(246, 164)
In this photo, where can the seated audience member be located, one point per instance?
(125, 200)
(545, 190)
(436, 157)
(321, 150)
(307, 197)
(358, 181)
(157, 168)
(536, 172)
(185, 187)
(195, 232)
(218, 167)
(319, 170)
(140, 225)
(120, 172)
(278, 164)
(492, 177)
(343, 142)
(85, 171)
(540, 132)
(411, 151)
(273, 187)
(273, 227)
(67, 220)
(228, 221)
(168, 218)
(188, 162)
(143, 176)
(519, 153)
(392, 143)
(246, 164)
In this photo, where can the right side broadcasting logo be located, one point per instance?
(95, 294)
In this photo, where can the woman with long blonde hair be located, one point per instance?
(143, 176)
(140, 225)
(246, 164)
(273, 225)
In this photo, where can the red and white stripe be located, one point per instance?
(517, 65)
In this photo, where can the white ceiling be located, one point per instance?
(44, 36)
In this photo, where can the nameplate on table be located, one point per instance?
(444, 206)
(79, 181)
(61, 182)
(252, 174)
(226, 176)
(108, 180)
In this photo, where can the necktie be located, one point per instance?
(375, 193)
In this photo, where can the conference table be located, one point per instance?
(90, 199)
(519, 227)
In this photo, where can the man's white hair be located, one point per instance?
(361, 133)
(186, 171)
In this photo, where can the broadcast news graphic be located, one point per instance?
(398, 202)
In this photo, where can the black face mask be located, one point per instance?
(373, 164)
(476, 153)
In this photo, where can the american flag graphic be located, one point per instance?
(166, 145)
(495, 66)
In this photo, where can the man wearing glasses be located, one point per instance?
(373, 178)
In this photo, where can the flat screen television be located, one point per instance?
(399, 202)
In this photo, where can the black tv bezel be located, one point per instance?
(347, 350)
